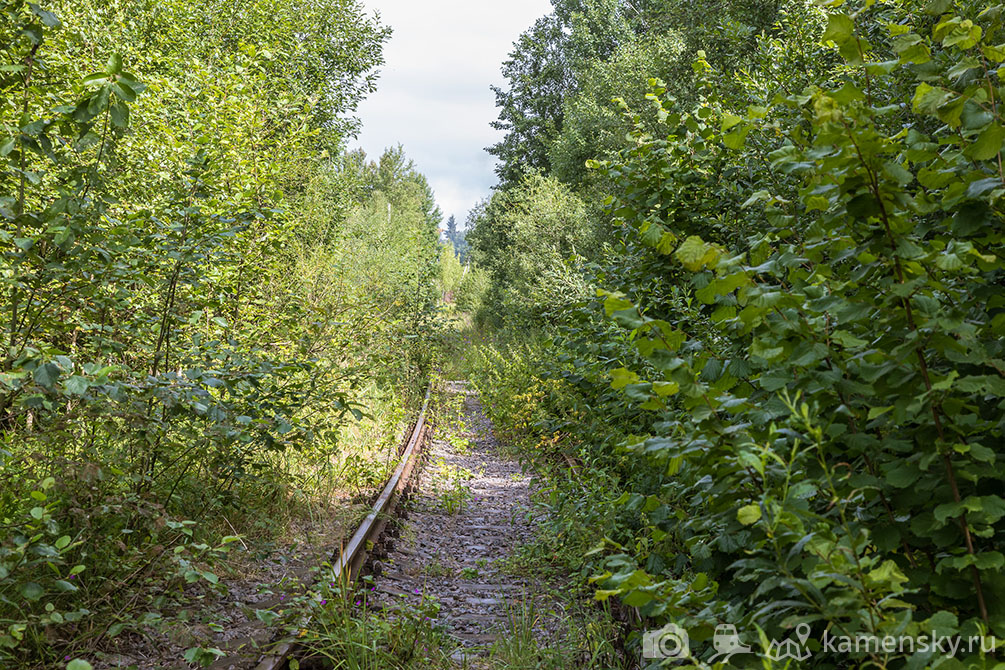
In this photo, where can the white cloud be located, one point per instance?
(433, 96)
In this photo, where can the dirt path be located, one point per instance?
(471, 512)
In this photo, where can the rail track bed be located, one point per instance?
(470, 511)
(444, 529)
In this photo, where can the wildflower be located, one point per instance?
(324, 602)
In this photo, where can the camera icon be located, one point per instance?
(670, 641)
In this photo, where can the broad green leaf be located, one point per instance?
(888, 574)
(622, 377)
(76, 385)
(736, 139)
(48, 19)
(119, 113)
(963, 36)
(114, 65)
(840, 28)
(988, 143)
(749, 514)
(846, 339)
(730, 120)
(695, 254)
(31, 591)
(879, 410)
(927, 99)
(664, 389)
(937, 7)
(903, 475)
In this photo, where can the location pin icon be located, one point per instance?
(803, 632)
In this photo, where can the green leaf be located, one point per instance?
(47, 18)
(988, 143)
(76, 385)
(840, 29)
(114, 64)
(204, 656)
(96, 79)
(123, 92)
(878, 411)
(694, 254)
(32, 591)
(628, 318)
(267, 617)
(756, 197)
(889, 575)
(622, 377)
(990, 560)
(963, 36)
(78, 664)
(730, 120)
(903, 475)
(46, 375)
(937, 7)
(995, 53)
(615, 302)
(736, 139)
(846, 339)
(927, 98)
(664, 389)
(119, 113)
(749, 514)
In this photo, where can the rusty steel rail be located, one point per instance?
(353, 555)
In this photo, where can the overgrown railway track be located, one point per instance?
(351, 558)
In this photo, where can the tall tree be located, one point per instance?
(530, 110)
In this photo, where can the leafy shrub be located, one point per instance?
(180, 332)
(809, 283)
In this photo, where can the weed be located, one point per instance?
(453, 498)
(449, 483)
(436, 568)
(345, 634)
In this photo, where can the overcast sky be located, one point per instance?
(433, 96)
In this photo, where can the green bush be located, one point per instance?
(807, 266)
(198, 285)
